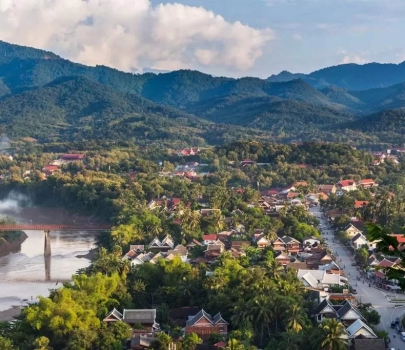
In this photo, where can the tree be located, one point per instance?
(361, 256)
(333, 338)
(295, 319)
(289, 341)
(6, 344)
(191, 340)
(42, 343)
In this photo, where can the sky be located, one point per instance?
(221, 37)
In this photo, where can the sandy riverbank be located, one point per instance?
(8, 315)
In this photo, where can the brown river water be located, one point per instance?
(26, 274)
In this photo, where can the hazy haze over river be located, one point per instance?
(22, 274)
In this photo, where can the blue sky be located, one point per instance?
(221, 37)
(311, 34)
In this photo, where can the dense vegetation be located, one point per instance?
(265, 304)
(42, 96)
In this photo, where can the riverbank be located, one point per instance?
(12, 246)
(10, 314)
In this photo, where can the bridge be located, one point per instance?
(46, 228)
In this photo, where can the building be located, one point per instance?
(359, 329)
(164, 245)
(143, 321)
(203, 324)
(328, 189)
(347, 185)
(366, 183)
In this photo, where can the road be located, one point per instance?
(365, 294)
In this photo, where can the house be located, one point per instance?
(157, 203)
(188, 151)
(246, 162)
(347, 185)
(240, 245)
(348, 314)
(73, 157)
(287, 243)
(368, 344)
(194, 243)
(262, 242)
(324, 310)
(164, 245)
(214, 250)
(311, 241)
(278, 244)
(49, 170)
(328, 189)
(345, 313)
(206, 212)
(292, 195)
(360, 204)
(358, 241)
(301, 183)
(351, 230)
(292, 245)
(361, 330)
(320, 279)
(283, 259)
(209, 239)
(203, 324)
(366, 183)
(143, 320)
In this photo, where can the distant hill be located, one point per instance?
(351, 76)
(269, 113)
(50, 98)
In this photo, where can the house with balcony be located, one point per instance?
(203, 324)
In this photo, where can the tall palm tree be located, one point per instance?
(274, 269)
(334, 335)
(295, 319)
(289, 341)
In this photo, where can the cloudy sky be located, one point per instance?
(221, 37)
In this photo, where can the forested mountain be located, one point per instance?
(350, 76)
(50, 98)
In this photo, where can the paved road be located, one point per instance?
(365, 294)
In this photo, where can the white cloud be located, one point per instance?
(132, 34)
(297, 36)
(354, 59)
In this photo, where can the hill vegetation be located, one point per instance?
(52, 99)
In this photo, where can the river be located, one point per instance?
(27, 274)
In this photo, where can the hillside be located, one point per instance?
(269, 113)
(77, 108)
(350, 76)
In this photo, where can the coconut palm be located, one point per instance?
(289, 341)
(334, 335)
(295, 319)
(274, 269)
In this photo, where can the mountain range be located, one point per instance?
(50, 98)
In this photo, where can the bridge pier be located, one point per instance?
(47, 259)
(47, 243)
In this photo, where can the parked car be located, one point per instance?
(354, 291)
(399, 329)
(393, 324)
(397, 320)
(403, 336)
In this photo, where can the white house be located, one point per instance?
(359, 328)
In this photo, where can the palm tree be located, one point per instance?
(295, 318)
(261, 313)
(289, 341)
(274, 269)
(334, 335)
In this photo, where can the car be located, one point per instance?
(354, 264)
(403, 336)
(354, 291)
(393, 324)
(397, 320)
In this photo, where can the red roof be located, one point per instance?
(379, 274)
(212, 237)
(400, 237)
(366, 181)
(292, 194)
(50, 168)
(176, 201)
(385, 263)
(345, 183)
(359, 204)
